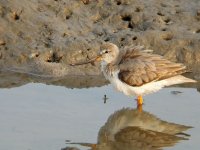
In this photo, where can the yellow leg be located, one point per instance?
(139, 103)
(139, 108)
(139, 100)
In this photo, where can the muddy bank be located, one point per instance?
(43, 37)
(13, 79)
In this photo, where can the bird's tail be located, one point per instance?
(178, 80)
(186, 80)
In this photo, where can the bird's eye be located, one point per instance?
(106, 52)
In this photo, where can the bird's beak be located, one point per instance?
(96, 59)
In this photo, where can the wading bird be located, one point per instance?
(136, 71)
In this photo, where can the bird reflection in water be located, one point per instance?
(133, 129)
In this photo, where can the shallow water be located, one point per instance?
(36, 116)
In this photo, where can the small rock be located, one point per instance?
(68, 13)
(85, 1)
(33, 55)
(15, 16)
(2, 42)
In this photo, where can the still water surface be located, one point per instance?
(43, 117)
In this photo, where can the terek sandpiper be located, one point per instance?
(136, 71)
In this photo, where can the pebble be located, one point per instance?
(2, 42)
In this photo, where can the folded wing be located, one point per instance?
(138, 67)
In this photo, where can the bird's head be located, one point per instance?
(108, 52)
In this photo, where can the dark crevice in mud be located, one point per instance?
(134, 38)
(126, 18)
(54, 58)
(122, 39)
(15, 16)
(167, 21)
(138, 9)
(118, 2)
(107, 39)
(164, 29)
(67, 17)
(160, 14)
(197, 31)
(130, 25)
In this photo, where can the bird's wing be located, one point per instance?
(146, 138)
(138, 67)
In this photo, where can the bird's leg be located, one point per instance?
(139, 108)
(139, 103)
(139, 100)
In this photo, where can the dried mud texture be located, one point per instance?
(43, 37)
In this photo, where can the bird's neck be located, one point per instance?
(105, 64)
(108, 69)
